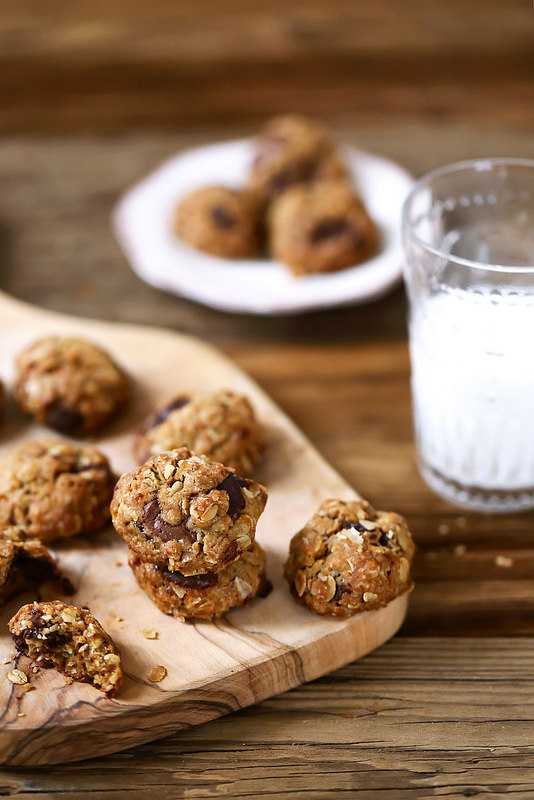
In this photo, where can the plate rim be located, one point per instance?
(162, 282)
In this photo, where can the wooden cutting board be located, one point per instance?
(212, 668)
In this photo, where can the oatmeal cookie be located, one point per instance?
(292, 150)
(321, 228)
(206, 596)
(69, 385)
(70, 640)
(350, 558)
(220, 425)
(53, 489)
(13, 533)
(220, 221)
(25, 565)
(187, 513)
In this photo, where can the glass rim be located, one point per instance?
(477, 165)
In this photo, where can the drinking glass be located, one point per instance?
(468, 233)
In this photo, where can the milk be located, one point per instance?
(473, 388)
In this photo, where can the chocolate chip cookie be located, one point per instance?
(350, 558)
(187, 513)
(70, 640)
(293, 150)
(321, 228)
(206, 596)
(26, 565)
(70, 385)
(53, 489)
(220, 425)
(220, 221)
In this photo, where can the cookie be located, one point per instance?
(70, 640)
(206, 596)
(350, 558)
(220, 221)
(293, 150)
(321, 228)
(26, 565)
(70, 385)
(53, 489)
(187, 513)
(13, 533)
(220, 425)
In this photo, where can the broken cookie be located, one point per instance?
(69, 639)
(26, 565)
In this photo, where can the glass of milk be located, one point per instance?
(468, 234)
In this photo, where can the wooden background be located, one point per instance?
(93, 96)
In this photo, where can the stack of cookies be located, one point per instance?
(190, 524)
(298, 204)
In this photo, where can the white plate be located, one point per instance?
(142, 224)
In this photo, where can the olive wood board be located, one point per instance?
(212, 668)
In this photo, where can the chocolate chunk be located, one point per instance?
(329, 229)
(354, 525)
(222, 217)
(167, 532)
(162, 529)
(158, 417)
(34, 570)
(384, 539)
(38, 625)
(230, 553)
(298, 172)
(19, 642)
(150, 512)
(189, 581)
(64, 419)
(265, 587)
(341, 589)
(232, 486)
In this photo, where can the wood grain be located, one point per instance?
(417, 719)
(117, 65)
(212, 669)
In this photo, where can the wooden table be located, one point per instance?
(445, 709)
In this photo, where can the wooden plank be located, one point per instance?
(416, 719)
(186, 32)
(108, 66)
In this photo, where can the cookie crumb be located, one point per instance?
(157, 674)
(17, 676)
(504, 561)
(460, 550)
(21, 714)
(150, 633)
(28, 687)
